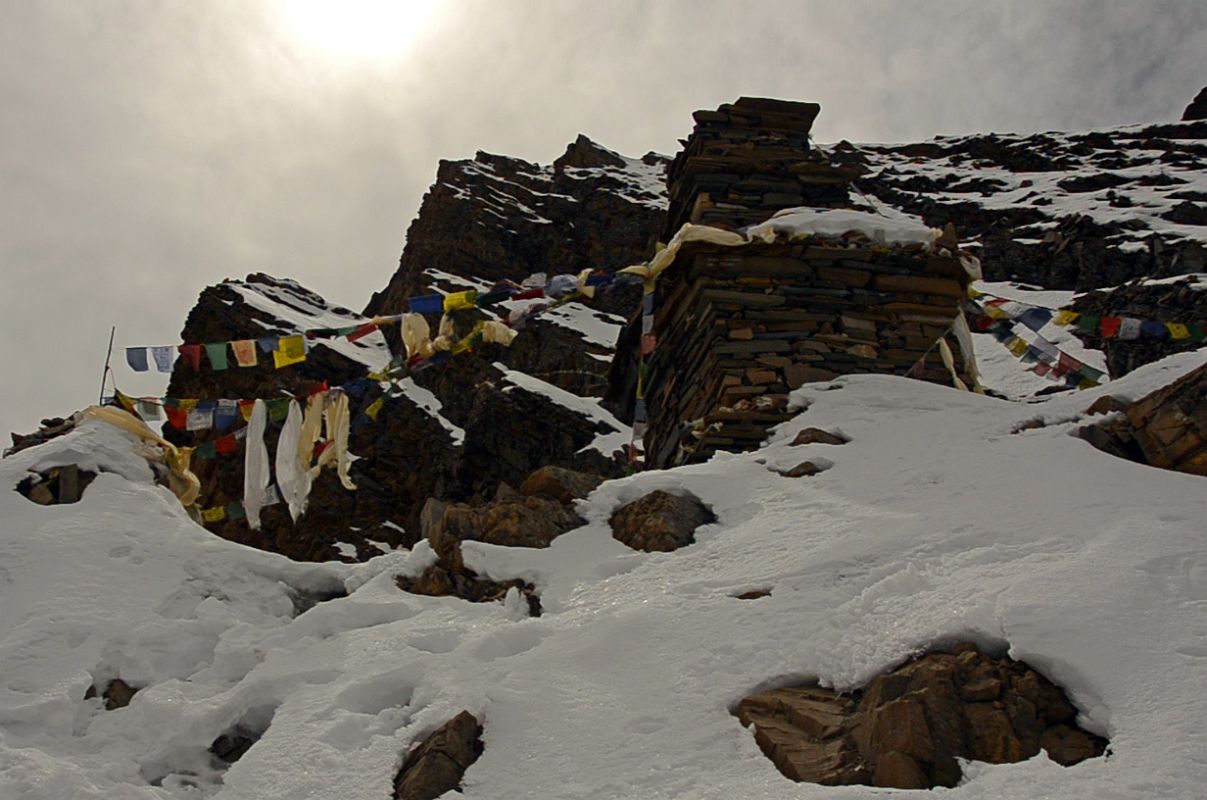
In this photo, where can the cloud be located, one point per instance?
(150, 149)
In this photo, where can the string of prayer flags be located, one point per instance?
(460, 300)
(426, 304)
(1109, 326)
(136, 357)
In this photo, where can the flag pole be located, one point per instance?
(105, 374)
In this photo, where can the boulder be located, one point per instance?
(438, 764)
(804, 469)
(1197, 108)
(449, 577)
(511, 522)
(907, 728)
(660, 521)
(561, 484)
(116, 694)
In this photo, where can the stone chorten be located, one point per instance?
(738, 327)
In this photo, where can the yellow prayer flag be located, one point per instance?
(1065, 318)
(375, 408)
(1017, 345)
(460, 346)
(459, 300)
(974, 294)
(215, 514)
(993, 312)
(188, 404)
(1087, 383)
(290, 350)
(1177, 330)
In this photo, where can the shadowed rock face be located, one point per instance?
(438, 764)
(1198, 107)
(907, 728)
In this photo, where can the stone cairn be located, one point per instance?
(739, 327)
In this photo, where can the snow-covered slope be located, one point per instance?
(935, 522)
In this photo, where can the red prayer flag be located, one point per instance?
(362, 331)
(192, 354)
(528, 294)
(245, 408)
(177, 417)
(227, 444)
(1067, 364)
(1110, 326)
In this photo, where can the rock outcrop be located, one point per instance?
(1197, 108)
(660, 521)
(438, 764)
(1166, 429)
(907, 728)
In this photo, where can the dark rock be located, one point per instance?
(51, 428)
(116, 694)
(449, 577)
(908, 727)
(753, 594)
(519, 522)
(438, 764)
(563, 485)
(804, 469)
(660, 521)
(57, 485)
(1106, 404)
(818, 436)
(1198, 106)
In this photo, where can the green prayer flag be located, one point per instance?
(234, 510)
(1088, 323)
(206, 450)
(217, 356)
(490, 298)
(278, 408)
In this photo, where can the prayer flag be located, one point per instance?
(528, 294)
(1035, 318)
(536, 279)
(200, 419)
(1154, 329)
(206, 450)
(192, 354)
(148, 410)
(227, 444)
(245, 352)
(1041, 369)
(177, 417)
(164, 357)
(278, 408)
(136, 357)
(1031, 354)
(268, 343)
(1017, 346)
(491, 298)
(1177, 330)
(426, 304)
(648, 343)
(234, 510)
(1065, 318)
(1087, 383)
(1110, 326)
(216, 353)
(292, 350)
(460, 300)
(362, 331)
(1088, 323)
(600, 279)
(1067, 364)
(226, 414)
(215, 514)
(461, 346)
(1196, 332)
(647, 304)
(375, 408)
(245, 409)
(974, 293)
(188, 404)
(1129, 328)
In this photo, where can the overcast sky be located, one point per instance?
(149, 149)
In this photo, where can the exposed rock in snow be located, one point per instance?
(907, 728)
(660, 521)
(437, 765)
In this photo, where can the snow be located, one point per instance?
(294, 313)
(934, 523)
(894, 228)
(425, 399)
(615, 436)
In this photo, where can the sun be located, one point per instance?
(358, 29)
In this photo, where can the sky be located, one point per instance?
(149, 149)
